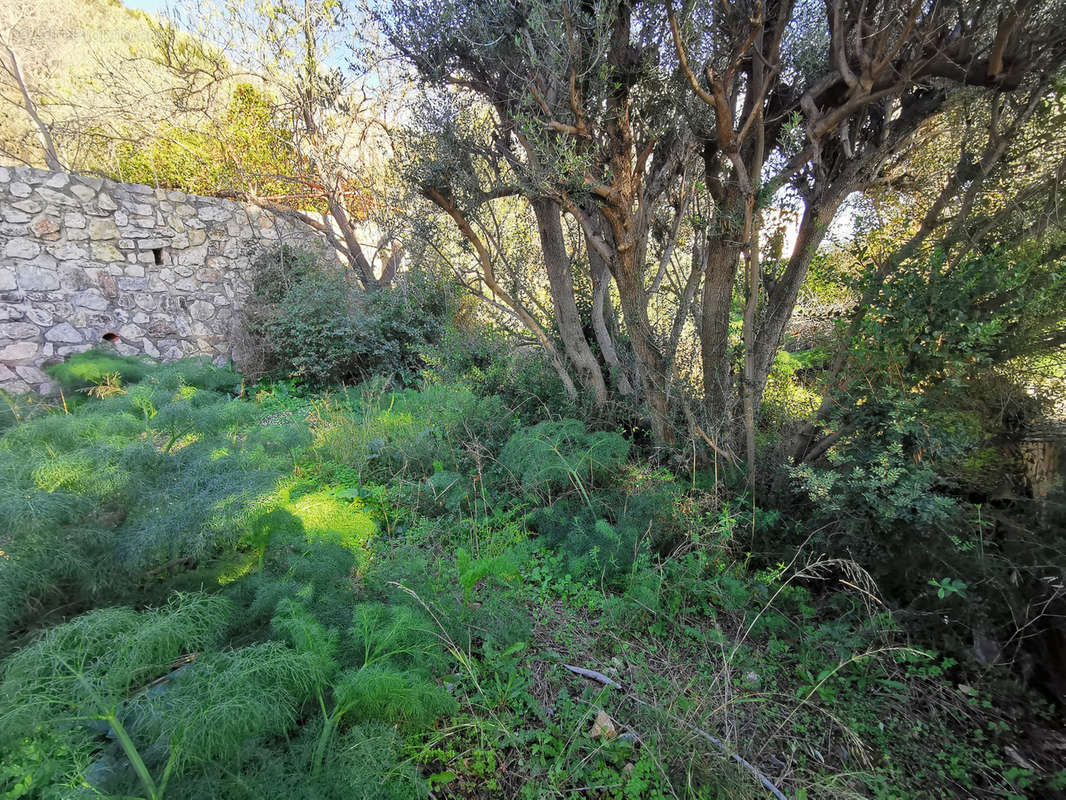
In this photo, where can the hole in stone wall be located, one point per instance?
(157, 253)
(110, 337)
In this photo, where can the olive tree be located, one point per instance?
(619, 115)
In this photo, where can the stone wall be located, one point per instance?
(85, 260)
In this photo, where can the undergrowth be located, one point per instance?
(207, 591)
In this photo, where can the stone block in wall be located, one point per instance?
(201, 310)
(34, 276)
(214, 213)
(41, 315)
(21, 248)
(15, 217)
(73, 279)
(45, 227)
(19, 351)
(192, 256)
(68, 251)
(31, 374)
(108, 285)
(84, 193)
(55, 199)
(18, 330)
(90, 299)
(28, 206)
(103, 228)
(106, 252)
(63, 332)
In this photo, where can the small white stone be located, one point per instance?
(20, 189)
(58, 181)
(105, 202)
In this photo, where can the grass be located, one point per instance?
(377, 594)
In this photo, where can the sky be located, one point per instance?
(152, 6)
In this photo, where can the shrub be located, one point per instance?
(559, 456)
(83, 370)
(307, 320)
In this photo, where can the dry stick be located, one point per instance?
(599, 677)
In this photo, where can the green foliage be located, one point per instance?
(86, 669)
(604, 543)
(122, 484)
(556, 457)
(83, 370)
(474, 570)
(243, 150)
(491, 363)
(372, 610)
(313, 324)
(381, 693)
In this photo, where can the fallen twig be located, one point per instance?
(599, 677)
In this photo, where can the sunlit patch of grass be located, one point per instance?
(242, 567)
(184, 441)
(325, 518)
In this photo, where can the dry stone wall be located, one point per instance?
(85, 260)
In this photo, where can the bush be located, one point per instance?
(493, 365)
(308, 321)
(90, 368)
(555, 457)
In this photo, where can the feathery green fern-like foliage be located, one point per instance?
(555, 457)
